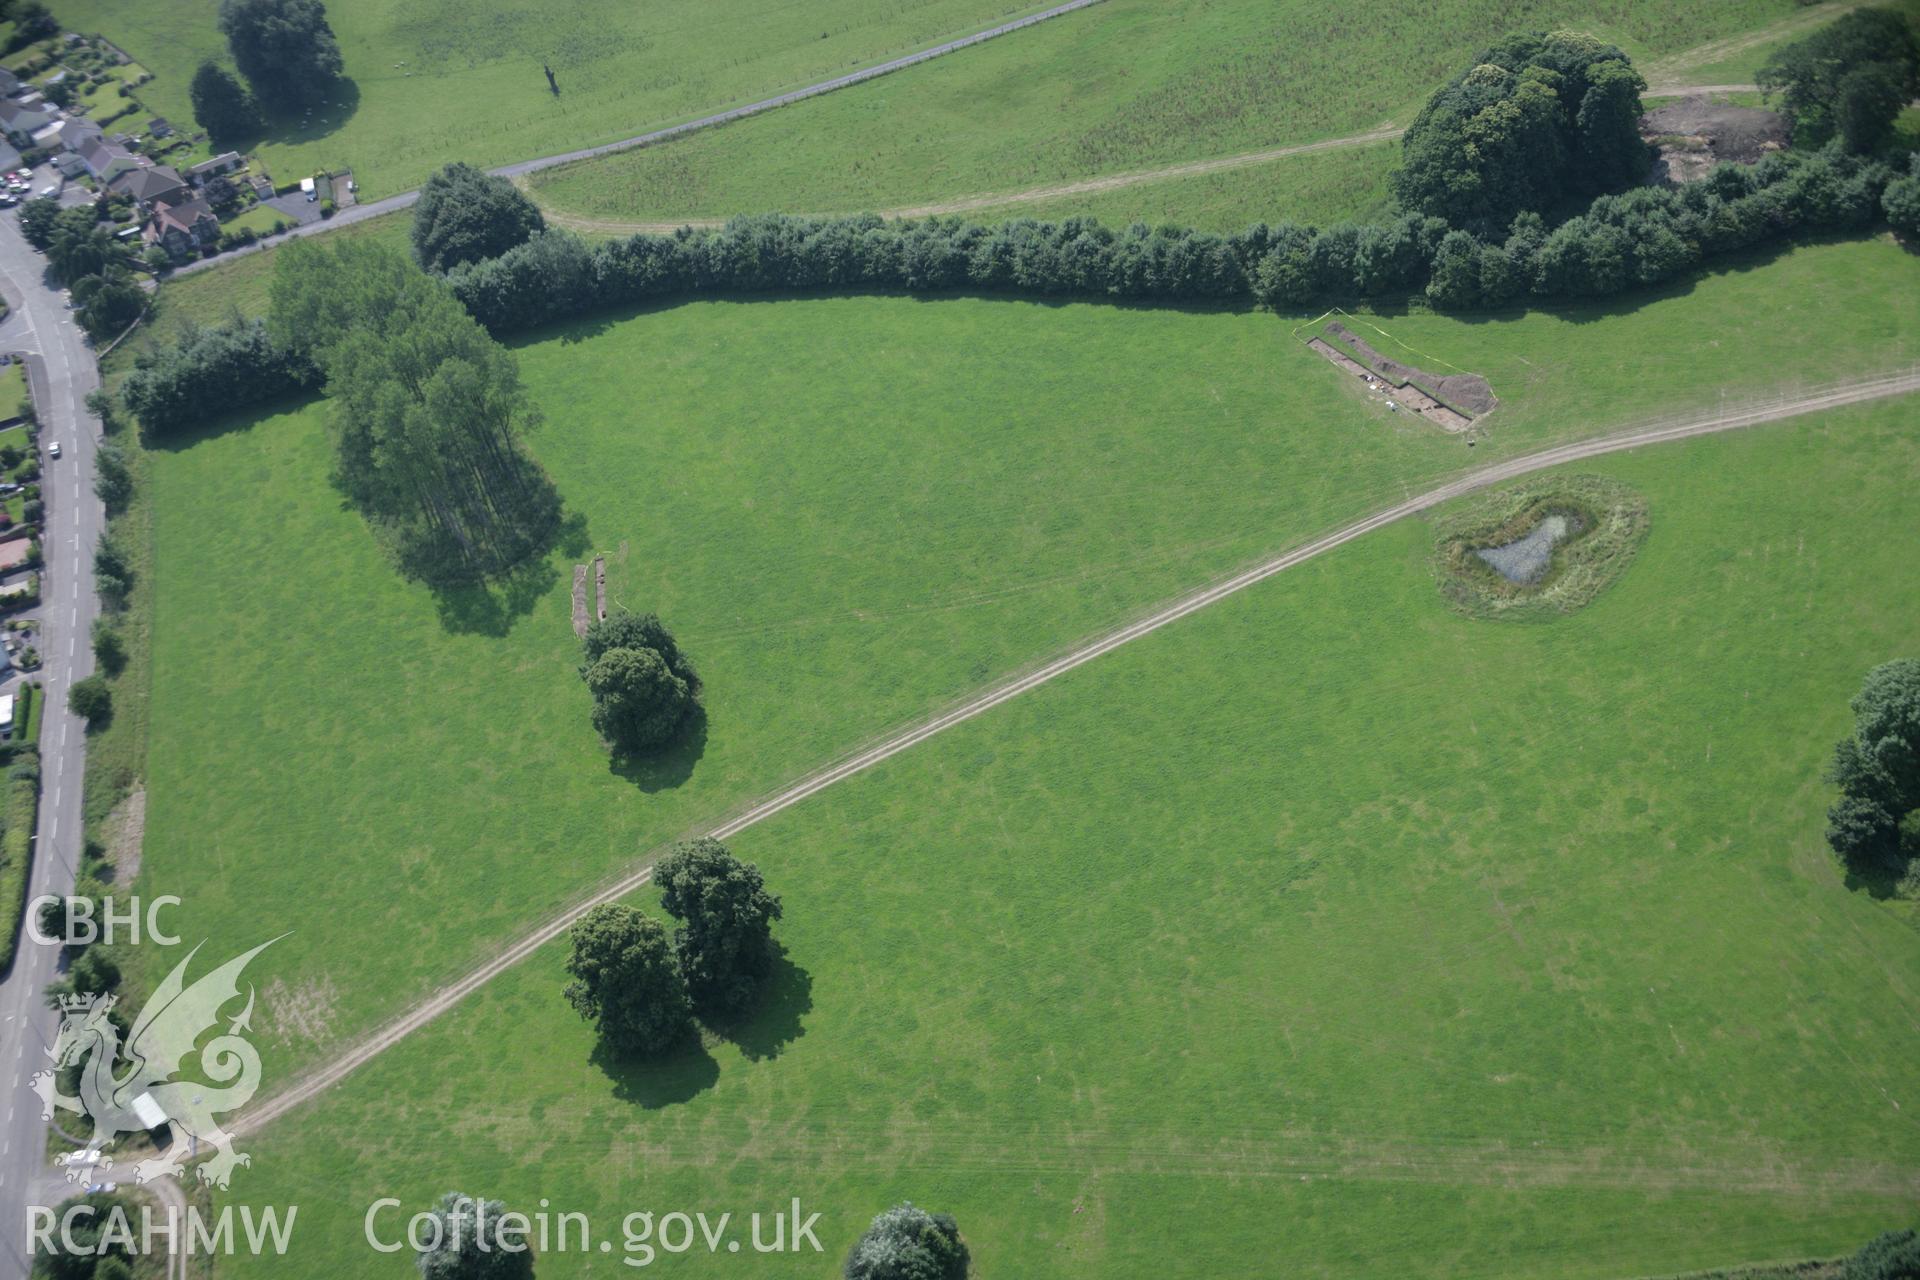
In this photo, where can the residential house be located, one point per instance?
(9, 83)
(108, 160)
(182, 229)
(78, 132)
(150, 185)
(47, 136)
(19, 117)
(225, 162)
(69, 164)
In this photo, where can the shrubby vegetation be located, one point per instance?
(908, 1243)
(210, 372)
(464, 215)
(1894, 1255)
(1849, 80)
(428, 411)
(1536, 121)
(285, 49)
(1875, 824)
(644, 689)
(16, 846)
(90, 699)
(642, 988)
(474, 1243)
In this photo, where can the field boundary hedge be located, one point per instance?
(21, 811)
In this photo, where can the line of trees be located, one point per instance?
(428, 411)
(1639, 238)
(644, 988)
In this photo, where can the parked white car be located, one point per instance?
(53, 448)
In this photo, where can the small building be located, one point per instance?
(225, 162)
(182, 229)
(150, 184)
(69, 164)
(262, 187)
(47, 136)
(9, 83)
(6, 715)
(148, 1111)
(160, 127)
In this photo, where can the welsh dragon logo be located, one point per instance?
(115, 1090)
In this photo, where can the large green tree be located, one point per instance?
(1539, 120)
(644, 688)
(464, 215)
(626, 979)
(1877, 768)
(222, 104)
(908, 1243)
(725, 939)
(428, 411)
(471, 1243)
(1847, 80)
(284, 48)
(108, 302)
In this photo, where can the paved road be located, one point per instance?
(406, 199)
(62, 371)
(1650, 433)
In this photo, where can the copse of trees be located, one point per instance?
(1848, 80)
(1537, 121)
(627, 981)
(428, 411)
(725, 940)
(464, 215)
(222, 104)
(209, 372)
(644, 989)
(1893, 1255)
(108, 302)
(644, 688)
(1874, 826)
(908, 1243)
(285, 49)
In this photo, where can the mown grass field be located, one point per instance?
(1130, 84)
(905, 500)
(439, 80)
(1324, 933)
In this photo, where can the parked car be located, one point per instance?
(53, 448)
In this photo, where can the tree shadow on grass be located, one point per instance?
(672, 764)
(491, 608)
(329, 117)
(766, 1030)
(678, 1075)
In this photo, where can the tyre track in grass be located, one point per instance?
(1662, 431)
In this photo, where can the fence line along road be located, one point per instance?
(1732, 418)
(406, 199)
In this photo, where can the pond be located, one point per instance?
(1525, 560)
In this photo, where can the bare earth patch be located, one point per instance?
(126, 828)
(299, 1015)
(1449, 401)
(1697, 133)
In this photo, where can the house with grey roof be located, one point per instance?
(108, 160)
(19, 117)
(150, 184)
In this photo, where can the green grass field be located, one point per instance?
(435, 81)
(1132, 84)
(1325, 933)
(907, 500)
